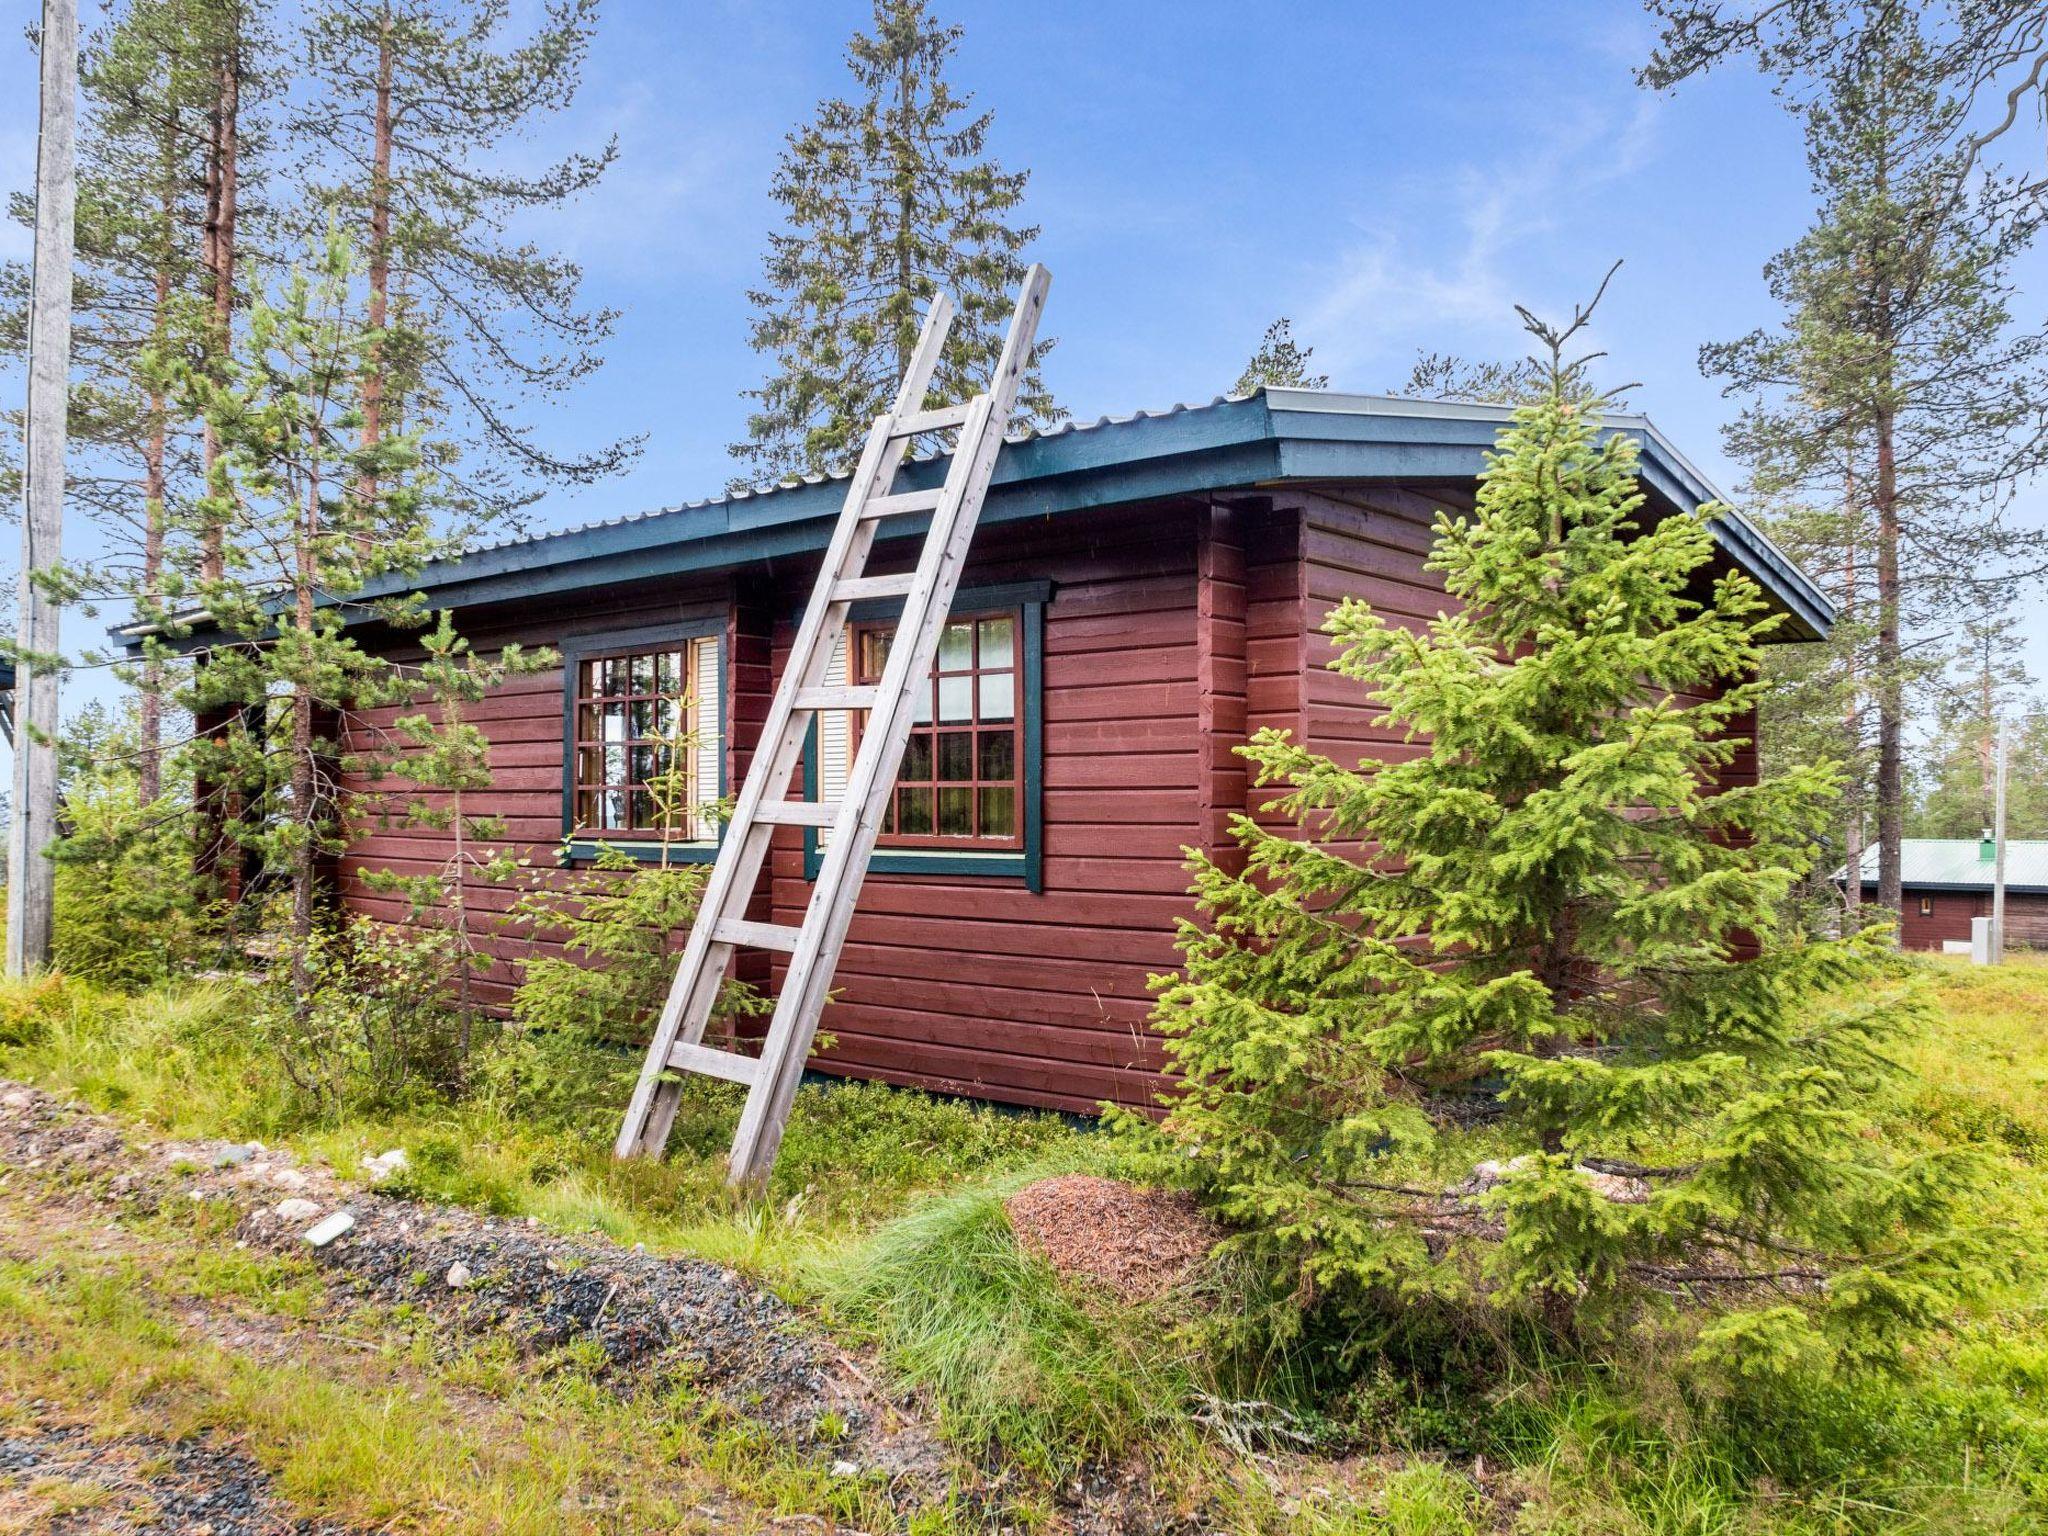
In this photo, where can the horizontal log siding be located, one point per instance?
(523, 722)
(977, 985)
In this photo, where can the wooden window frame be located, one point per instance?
(1926, 905)
(973, 727)
(962, 858)
(584, 842)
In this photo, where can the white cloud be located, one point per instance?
(1443, 262)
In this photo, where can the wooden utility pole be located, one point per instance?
(31, 879)
(1998, 847)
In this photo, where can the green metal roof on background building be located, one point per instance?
(1270, 439)
(1961, 864)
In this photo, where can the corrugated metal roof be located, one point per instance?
(1961, 864)
(1268, 438)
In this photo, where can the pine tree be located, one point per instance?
(150, 84)
(1444, 376)
(470, 327)
(1956, 778)
(1901, 371)
(890, 198)
(1550, 912)
(298, 539)
(1281, 362)
(445, 757)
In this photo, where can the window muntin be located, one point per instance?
(635, 716)
(961, 783)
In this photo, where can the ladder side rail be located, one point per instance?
(808, 979)
(687, 1008)
(843, 869)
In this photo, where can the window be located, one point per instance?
(1927, 906)
(967, 799)
(961, 779)
(642, 726)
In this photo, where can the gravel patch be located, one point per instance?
(1139, 1244)
(55, 1478)
(652, 1320)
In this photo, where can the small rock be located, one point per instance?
(287, 1178)
(231, 1157)
(1618, 1187)
(330, 1229)
(386, 1166)
(844, 1468)
(458, 1276)
(295, 1210)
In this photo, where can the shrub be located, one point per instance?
(127, 899)
(1547, 919)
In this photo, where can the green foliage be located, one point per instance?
(889, 200)
(618, 924)
(128, 906)
(446, 757)
(1281, 362)
(1015, 1362)
(361, 1020)
(1549, 913)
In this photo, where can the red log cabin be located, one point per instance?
(1142, 593)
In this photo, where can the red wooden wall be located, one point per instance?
(1174, 629)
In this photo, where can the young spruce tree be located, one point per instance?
(1550, 909)
(890, 199)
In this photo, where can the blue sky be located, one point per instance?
(1393, 178)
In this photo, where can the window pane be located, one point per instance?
(998, 755)
(917, 758)
(590, 767)
(956, 697)
(956, 647)
(914, 812)
(668, 674)
(956, 812)
(611, 810)
(874, 651)
(615, 677)
(587, 674)
(998, 695)
(999, 813)
(921, 704)
(643, 674)
(614, 766)
(998, 643)
(643, 808)
(645, 764)
(615, 728)
(586, 808)
(640, 717)
(956, 755)
(589, 723)
(668, 718)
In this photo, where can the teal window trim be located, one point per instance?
(1026, 864)
(579, 648)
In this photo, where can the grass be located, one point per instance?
(886, 1211)
(417, 1437)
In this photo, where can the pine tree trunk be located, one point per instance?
(1852, 802)
(154, 492)
(1891, 704)
(304, 811)
(379, 266)
(222, 193)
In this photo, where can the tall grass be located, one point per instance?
(1016, 1362)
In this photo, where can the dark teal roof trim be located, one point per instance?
(1268, 439)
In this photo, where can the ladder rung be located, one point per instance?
(798, 813)
(836, 698)
(706, 1062)
(852, 589)
(737, 930)
(943, 419)
(903, 504)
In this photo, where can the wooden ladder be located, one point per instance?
(813, 945)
